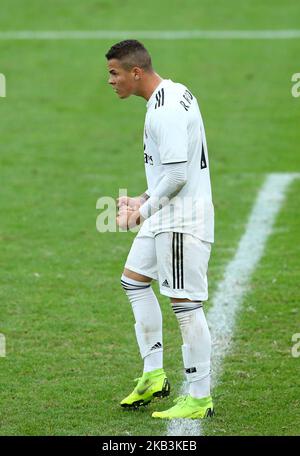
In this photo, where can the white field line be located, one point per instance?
(230, 291)
(151, 34)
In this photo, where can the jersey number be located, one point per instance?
(203, 163)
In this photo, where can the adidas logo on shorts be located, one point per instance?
(165, 284)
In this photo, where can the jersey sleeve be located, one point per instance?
(169, 129)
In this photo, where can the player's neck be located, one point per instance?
(150, 83)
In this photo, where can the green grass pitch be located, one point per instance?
(66, 140)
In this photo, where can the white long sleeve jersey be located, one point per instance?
(174, 133)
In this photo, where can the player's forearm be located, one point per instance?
(172, 182)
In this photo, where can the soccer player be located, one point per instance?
(173, 244)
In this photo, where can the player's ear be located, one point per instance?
(137, 73)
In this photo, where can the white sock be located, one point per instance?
(148, 326)
(200, 388)
(153, 361)
(196, 348)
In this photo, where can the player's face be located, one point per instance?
(121, 80)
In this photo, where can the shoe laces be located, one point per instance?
(138, 379)
(138, 382)
(142, 379)
(180, 400)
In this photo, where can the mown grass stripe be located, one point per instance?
(151, 34)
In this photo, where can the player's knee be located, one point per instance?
(185, 311)
(136, 276)
(134, 288)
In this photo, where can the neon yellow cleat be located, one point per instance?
(188, 407)
(150, 385)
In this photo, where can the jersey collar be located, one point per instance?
(163, 83)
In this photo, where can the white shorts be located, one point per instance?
(179, 262)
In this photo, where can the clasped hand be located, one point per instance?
(128, 212)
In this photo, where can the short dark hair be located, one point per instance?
(131, 53)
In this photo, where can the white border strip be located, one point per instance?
(151, 34)
(230, 292)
